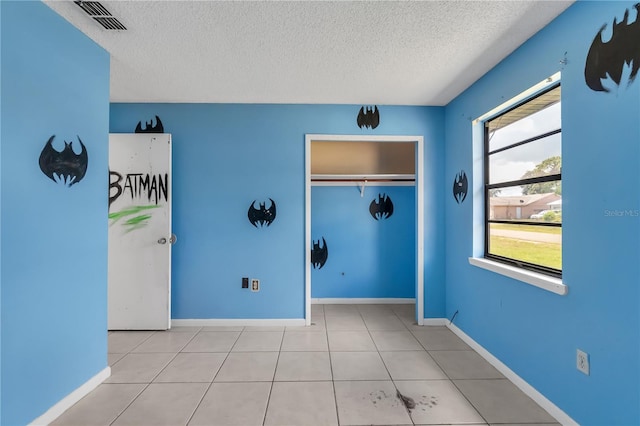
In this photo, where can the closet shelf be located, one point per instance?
(360, 178)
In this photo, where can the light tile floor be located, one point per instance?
(346, 369)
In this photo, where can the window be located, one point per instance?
(523, 184)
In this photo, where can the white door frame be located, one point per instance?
(419, 141)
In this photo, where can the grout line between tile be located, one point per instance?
(333, 382)
(273, 378)
(214, 376)
(225, 358)
(146, 384)
(201, 399)
(469, 401)
(391, 377)
(132, 401)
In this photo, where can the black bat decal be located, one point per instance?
(381, 209)
(262, 215)
(369, 118)
(69, 167)
(460, 187)
(609, 58)
(148, 128)
(319, 254)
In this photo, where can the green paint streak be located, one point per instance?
(116, 216)
(137, 220)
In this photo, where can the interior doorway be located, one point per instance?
(140, 238)
(363, 177)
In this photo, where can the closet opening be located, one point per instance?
(364, 216)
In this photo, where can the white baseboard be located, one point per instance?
(236, 322)
(64, 404)
(362, 301)
(562, 417)
(435, 321)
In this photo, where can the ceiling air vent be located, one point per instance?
(101, 15)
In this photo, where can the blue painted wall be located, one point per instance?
(535, 332)
(54, 239)
(367, 258)
(227, 155)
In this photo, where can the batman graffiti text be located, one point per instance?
(138, 185)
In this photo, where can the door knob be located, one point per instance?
(173, 239)
(162, 241)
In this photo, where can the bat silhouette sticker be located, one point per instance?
(460, 186)
(262, 215)
(148, 128)
(609, 59)
(368, 118)
(64, 166)
(382, 208)
(319, 254)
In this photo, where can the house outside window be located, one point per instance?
(523, 184)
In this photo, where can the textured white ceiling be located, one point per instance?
(366, 52)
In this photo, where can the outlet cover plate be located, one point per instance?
(582, 361)
(255, 284)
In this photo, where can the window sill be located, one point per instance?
(542, 281)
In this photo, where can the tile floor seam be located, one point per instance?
(439, 366)
(136, 346)
(146, 384)
(389, 373)
(333, 381)
(273, 378)
(225, 359)
(403, 403)
(127, 406)
(175, 355)
(214, 376)
(177, 352)
(469, 401)
(200, 402)
(421, 344)
(235, 342)
(130, 403)
(189, 341)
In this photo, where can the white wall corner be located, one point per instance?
(67, 402)
(562, 417)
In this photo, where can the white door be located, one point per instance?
(139, 232)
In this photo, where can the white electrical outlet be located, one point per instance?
(255, 284)
(582, 362)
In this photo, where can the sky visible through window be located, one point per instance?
(513, 163)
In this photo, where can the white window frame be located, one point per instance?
(537, 279)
